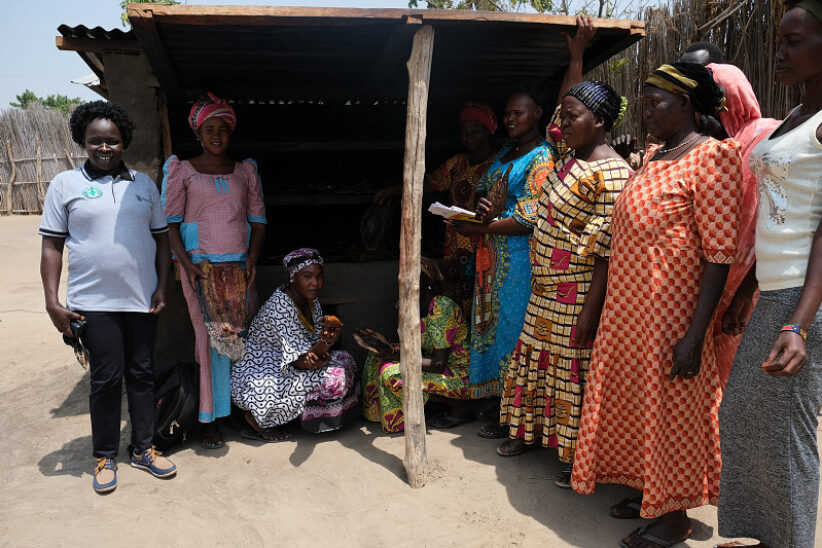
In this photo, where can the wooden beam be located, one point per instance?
(100, 46)
(142, 22)
(296, 16)
(419, 73)
(166, 126)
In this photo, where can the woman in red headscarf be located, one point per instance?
(216, 215)
(458, 176)
(743, 122)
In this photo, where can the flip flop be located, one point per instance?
(626, 509)
(642, 533)
(515, 448)
(449, 421)
(493, 431)
(251, 434)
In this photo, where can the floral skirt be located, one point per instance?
(382, 391)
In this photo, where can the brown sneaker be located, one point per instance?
(105, 476)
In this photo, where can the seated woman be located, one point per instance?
(444, 362)
(289, 370)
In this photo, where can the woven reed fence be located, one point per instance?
(35, 145)
(744, 29)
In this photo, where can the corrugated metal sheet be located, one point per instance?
(254, 53)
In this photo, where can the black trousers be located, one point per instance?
(120, 343)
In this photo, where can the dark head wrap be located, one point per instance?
(814, 7)
(602, 100)
(693, 80)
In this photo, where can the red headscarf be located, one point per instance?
(210, 107)
(742, 121)
(482, 113)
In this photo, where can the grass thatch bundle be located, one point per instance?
(35, 145)
(744, 29)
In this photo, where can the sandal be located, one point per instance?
(642, 534)
(513, 448)
(212, 438)
(626, 509)
(269, 435)
(449, 421)
(493, 431)
(563, 479)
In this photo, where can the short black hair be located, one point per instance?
(714, 53)
(86, 113)
(707, 96)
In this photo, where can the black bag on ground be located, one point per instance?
(176, 403)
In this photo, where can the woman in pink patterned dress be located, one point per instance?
(215, 211)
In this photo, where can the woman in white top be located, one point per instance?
(769, 415)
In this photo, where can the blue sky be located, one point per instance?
(30, 59)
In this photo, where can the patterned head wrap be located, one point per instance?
(602, 100)
(209, 107)
(698, 84)
(299, 259)
(814, 7)
(480, 112)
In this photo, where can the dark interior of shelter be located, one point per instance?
(320, 97)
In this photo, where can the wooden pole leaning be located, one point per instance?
(419, 72)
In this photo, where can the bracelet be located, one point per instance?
(796, 329)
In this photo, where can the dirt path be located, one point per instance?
(342, 489)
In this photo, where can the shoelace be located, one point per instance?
(103, 462)
(151, 453)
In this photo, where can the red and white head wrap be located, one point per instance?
(480, 112)
(209, 107)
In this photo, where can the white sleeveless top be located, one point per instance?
(789, 171)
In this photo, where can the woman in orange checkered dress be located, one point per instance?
(649, 417)
(542, 397)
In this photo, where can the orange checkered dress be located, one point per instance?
(638, 428)
(542, 396)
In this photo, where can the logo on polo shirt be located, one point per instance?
(92, 192)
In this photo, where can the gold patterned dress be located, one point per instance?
(542, 395)
(458, 177)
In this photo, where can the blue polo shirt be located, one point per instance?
(109, 223)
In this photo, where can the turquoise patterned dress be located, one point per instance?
(503, 272)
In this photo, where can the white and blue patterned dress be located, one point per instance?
(266, 384)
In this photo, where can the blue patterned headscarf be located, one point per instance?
(602, 100)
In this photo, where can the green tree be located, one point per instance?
(57, 102)
(541, 6)
(124, 6)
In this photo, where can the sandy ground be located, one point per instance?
(342, 489)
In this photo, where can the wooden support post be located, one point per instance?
(11, 178)
(38, 170)
(419, 72)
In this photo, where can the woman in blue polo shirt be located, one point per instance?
(111, 220)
